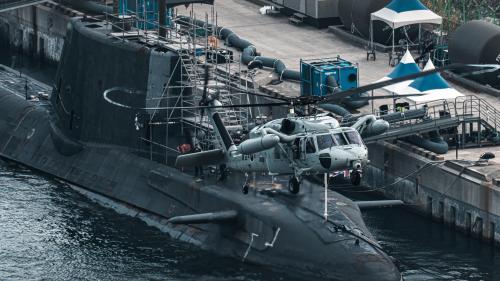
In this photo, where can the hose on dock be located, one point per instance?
(249, 52)
(433, 143)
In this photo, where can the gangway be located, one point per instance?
(469, 114)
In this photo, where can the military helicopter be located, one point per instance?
(296, 146)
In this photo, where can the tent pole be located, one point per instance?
(420, 37)
(393, 40)
(371, 34)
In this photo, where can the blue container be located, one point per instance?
(146, 12)
(314, 75)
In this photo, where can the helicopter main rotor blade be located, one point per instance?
(374, 86)
(384, 97)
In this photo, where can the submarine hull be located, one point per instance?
(82, 139)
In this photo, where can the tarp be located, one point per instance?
(400, 13)
(432, 87)
(405, 67)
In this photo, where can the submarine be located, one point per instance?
(82, 138)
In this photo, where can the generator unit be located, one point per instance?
(319, 77)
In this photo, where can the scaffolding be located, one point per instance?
(196, 47)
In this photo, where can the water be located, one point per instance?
(48, 231)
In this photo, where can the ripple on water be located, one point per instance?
(50, 232)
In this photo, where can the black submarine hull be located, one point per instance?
(83, 140)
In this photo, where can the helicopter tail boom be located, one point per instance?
(209, 157)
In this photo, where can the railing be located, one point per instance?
(443, 114)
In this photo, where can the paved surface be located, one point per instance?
(275, 37)
(492, 170)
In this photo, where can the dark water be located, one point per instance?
(48, 231)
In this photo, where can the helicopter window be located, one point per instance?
(324, 141)
(310, 148)
(354, 137)
(340, 139)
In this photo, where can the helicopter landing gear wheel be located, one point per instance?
(245, 189)
(294, 185)
(356, 178)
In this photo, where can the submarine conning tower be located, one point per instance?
(95, 60)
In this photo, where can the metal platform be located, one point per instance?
(469, 114)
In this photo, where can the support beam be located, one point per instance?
(162, 12)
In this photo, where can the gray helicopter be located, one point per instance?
(296, 146)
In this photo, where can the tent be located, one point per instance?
(399, 13)
(432, 87)
(405, 67)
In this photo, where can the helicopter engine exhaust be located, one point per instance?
(369, 125)
(265, 142)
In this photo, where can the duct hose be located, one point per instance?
(249, 52)
(433, 143)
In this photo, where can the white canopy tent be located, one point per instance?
(399, 13)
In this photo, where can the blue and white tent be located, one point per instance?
(400, 13)
(405, 67)
(432, 87)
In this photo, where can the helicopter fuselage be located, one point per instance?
(309, 153)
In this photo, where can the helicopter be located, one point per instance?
(296, 145)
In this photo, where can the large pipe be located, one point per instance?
(249, 52)
(363, 205)
(433, 143)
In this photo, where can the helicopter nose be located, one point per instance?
(326, 160)
(356, 165)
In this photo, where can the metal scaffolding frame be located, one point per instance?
(194, 45)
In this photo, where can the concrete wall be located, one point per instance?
(448, 192)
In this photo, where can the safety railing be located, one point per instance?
(441, 114)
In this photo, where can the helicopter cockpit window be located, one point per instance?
(324, 141)
(340, 139)
(310, 148)
(354, 137)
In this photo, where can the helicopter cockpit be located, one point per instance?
(322, 141)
